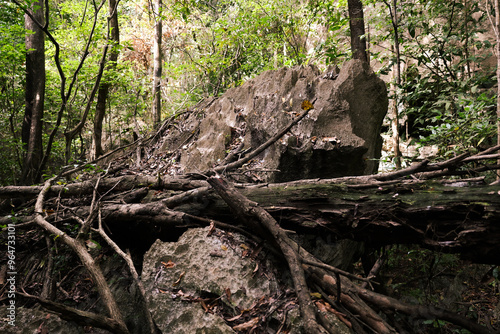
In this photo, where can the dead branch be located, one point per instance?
(351, 292)
(153, 329)
(261, 148)
(420, 311)
(79, 248)
(118, 184)
(337, 271)
(424, 166)
(439, 217)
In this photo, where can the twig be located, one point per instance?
(375, 269)
(78, 316)
(337, 271)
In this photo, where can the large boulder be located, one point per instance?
(339, 137)
(221, 266)
(201, 266)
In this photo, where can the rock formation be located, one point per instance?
(204, 265)
(340, 136)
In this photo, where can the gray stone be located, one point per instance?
(207, 266)
(340, 136)
(204, 266)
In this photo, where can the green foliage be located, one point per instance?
(418, 263)
(466, 122)
(12, 81)
(71, 25)
(444, 91)
(334, 48)
(216, 46)
(454, 115)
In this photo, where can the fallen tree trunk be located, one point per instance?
(449, 219)
(110, 184)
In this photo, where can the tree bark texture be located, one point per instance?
(357, 26)
(395, 121)
(102, 97)
(442, 218)
(35, 93)
(157, 65)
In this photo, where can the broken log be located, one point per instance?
(448, 219)
(437, 216)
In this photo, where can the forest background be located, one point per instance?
(81, 78)
(113, 70)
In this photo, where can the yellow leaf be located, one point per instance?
(306, 105)
(316, 295)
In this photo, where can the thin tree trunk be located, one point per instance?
(396, 83)
(64, 95)
(100, 110)
(102, 97)
(157, 66)
(72, 133)
(357, 25)
(35, 92)
(468, 71)
(397, 152)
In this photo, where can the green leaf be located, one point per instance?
(411, 30)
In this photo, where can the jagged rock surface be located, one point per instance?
(208, 266)
(340, 136)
